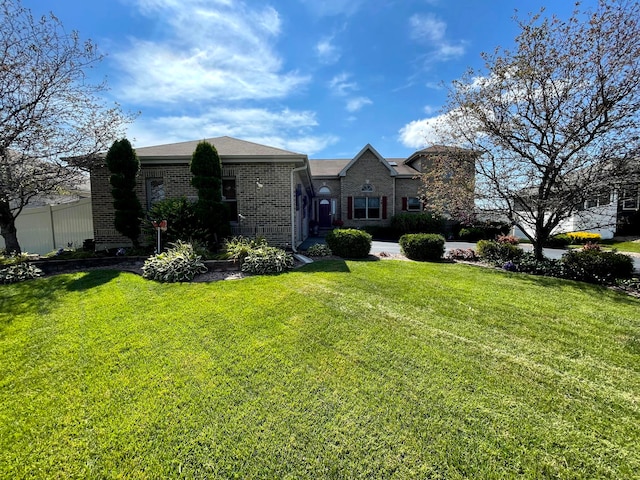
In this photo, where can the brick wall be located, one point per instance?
(367, 168)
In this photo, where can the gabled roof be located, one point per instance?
(439, 149)
(368, 146)
(226, 147)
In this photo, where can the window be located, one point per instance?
(366, 207)
(630, 197)
(229, 198)
(599, 199)
(414, 204)
(155, 191)
(324, 191)
(367, 188)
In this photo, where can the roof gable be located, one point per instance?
(226, 147)
(368, 147)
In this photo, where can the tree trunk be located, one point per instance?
(537, 249)
(8, 229)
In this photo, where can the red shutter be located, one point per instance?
(349, 208)
(404, 203)
(384, 208)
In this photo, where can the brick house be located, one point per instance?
(274, 193)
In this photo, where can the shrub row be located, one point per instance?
(589, 264)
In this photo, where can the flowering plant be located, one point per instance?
(337, 223)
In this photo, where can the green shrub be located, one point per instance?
(13, 259)
(498, 253)
(264, 260)
(472, 234)
(422, 246)
(349, 243)
(19, 272)
(178, 264)
(528, 263)
(561, 240)
(319, 250)
(417, 223)
(182, 222)
(595, 266)
(237, 248)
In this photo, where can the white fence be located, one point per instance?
(43, 229)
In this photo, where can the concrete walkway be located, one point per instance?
(393, 248)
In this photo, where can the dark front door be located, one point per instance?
(324, 213)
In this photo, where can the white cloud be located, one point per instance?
(341, 86)
(420, 133)
(355, 104)
(327, 52)
(430, 109)
(211, 50)
(431, 31)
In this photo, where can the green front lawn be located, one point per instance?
(624, 246)
(385, 369)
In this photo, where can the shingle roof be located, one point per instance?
(327, 167)
(226, 147)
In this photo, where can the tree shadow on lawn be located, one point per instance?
(92, 279)
(334, 265)
(31, 296)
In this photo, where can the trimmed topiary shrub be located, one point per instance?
(349, 243)
(595, 266)
(178, 264)
(528, 263)
(498, 253)
(265, 260)
(422, 246)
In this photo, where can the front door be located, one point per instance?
(324, 213)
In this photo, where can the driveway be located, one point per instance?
(554, 253)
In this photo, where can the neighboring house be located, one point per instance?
(274, 193)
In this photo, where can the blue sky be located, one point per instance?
(321, 77)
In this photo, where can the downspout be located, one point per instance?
(293, 207)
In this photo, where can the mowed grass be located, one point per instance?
(624, 246)
(384, 369)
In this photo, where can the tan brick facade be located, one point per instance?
(276, 197)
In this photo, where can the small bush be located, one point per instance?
(265, 260)
(349, 243)
(178, 264)
(19, 272)
(466, 254)
(528, 263)
(13, 259)
(483, 231)
(580, 238)
(237, 248)
(422, 246)
(595, 266)
(182, 222)
(498, 253)
(562, 240)
(319, 250)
